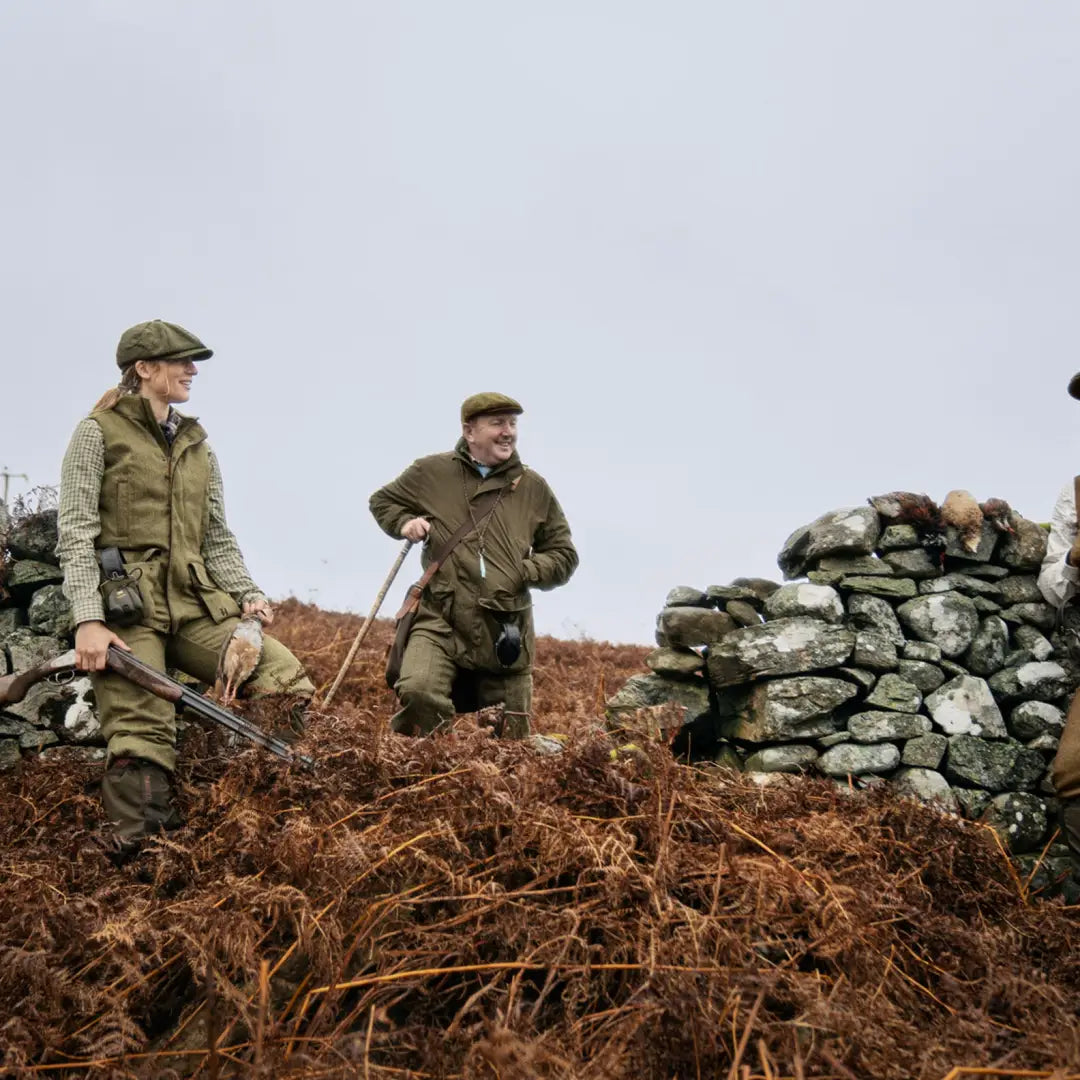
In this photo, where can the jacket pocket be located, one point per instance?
(219, 604)
(496, 612)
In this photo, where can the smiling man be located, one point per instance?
(472, 642)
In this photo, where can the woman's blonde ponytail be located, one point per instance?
(129, 384)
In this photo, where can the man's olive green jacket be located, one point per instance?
(527, 545)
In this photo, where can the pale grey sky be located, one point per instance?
(742, 263)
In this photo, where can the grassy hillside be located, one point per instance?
(462, 907)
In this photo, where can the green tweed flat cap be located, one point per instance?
(159, 340)
(487, 403)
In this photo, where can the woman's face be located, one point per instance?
(169, 381)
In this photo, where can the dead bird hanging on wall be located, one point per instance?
(963, 513)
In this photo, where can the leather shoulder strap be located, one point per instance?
(485, 504)
(1076, 499)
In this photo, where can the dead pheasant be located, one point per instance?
(909, 508)
(239, 657)
(962, 512)
(999, 514)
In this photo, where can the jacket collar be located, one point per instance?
(510, 465)
(138, 410)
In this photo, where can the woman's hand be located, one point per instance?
(259, 607)
(416, 529)
(92, 641)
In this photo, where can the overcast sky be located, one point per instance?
(741, 262)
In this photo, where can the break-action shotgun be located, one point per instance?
(13, 688)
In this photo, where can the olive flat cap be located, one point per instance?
(1074, 386)
(487, 403)
(159, 340)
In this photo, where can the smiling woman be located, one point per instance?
(151, 566)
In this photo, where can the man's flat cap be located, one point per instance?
(1074, 386)
(487, 403)
(159, 340)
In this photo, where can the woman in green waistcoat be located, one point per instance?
(141, 485)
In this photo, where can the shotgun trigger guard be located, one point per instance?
(62, 678)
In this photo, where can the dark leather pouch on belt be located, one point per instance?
(120, 590)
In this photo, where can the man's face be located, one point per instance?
(491, 437)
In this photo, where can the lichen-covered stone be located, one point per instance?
(1025, 549)
(927, 677)
(857, 759)
(987, 652)
(1042, 616)
(893, 692)
(28, 649)
(1040, 681)
(675, 662)
(25, 577)
(783, 647)
(972, 801)
(897, 538)
(966, 584)
(1045, 744)
(37, 739)
(995, 766)
(913, 563)
(790, 759)
(985, 606)
(1029, 638)
(876, 727)
(813, 601)
(1020, 820)
(687, 596)
(925, 751)
(921, 650)
(849, 531)
(854, 564)
(788, 710)
(761, 588)
(862, 678)
(1021, 589)
(34, 537)
(926, 785)
(652, 691)
(690, 626)
(874, 651)
(873, 613)
(81, 723)
(965, 706)
(893, 588)
(1030, 719)
(10, 757)
(50, 612)
(744, 613)
(952, 669)
(948, 620)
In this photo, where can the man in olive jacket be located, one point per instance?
(476, 613)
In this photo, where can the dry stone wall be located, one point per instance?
(36, 625)
(888, 657)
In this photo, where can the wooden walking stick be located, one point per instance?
(368, 621)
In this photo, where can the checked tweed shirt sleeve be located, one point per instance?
(78, 521)
(220, 551)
